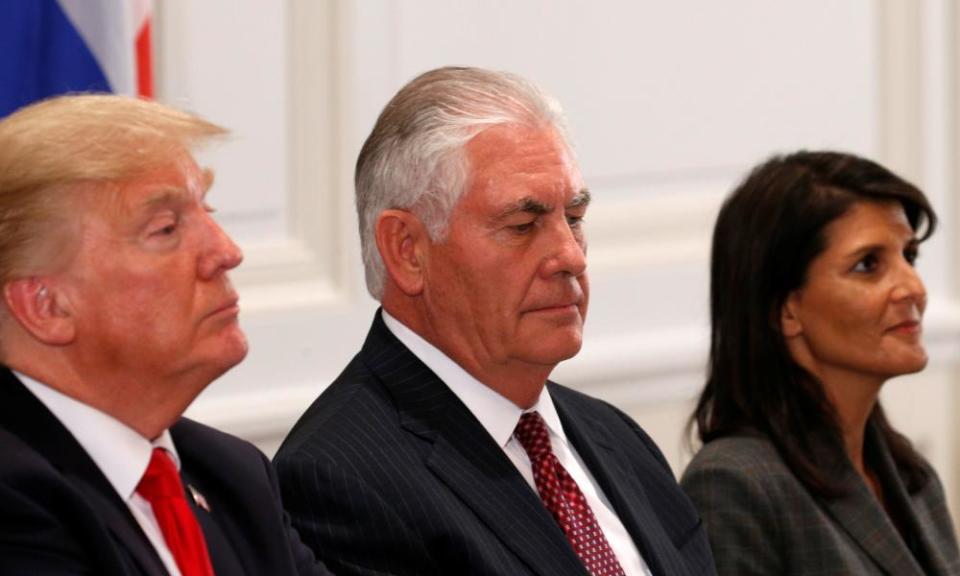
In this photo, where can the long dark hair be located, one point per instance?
(768, 232)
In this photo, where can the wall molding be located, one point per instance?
(651, 229)
(900, 67)
(952, 34)
(310, 265)
(642, 369)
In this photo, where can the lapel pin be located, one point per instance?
(198, 498)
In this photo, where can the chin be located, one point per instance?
(237, 352)
(556, 352)
(910, 365)
(229, 352)
(916, 366)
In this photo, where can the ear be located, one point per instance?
(790, 325)
(402, 241)
(39, 308)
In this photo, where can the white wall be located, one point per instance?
(669, 103)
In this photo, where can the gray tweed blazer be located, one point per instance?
(762, 520)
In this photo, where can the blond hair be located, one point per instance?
(52, 147)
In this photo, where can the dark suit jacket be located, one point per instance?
(60, 515)
(389, 473)
(762, 520)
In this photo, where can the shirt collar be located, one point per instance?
(119, 451)
(497, 414)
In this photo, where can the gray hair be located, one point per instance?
(414, 159)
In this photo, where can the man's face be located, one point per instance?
(147, 287)
(508, 286)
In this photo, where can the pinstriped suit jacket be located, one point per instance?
(389, 473)
(762, 520)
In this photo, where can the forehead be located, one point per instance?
(869, 222)
(178, 181)
(521, 159)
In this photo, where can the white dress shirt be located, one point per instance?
(119, 451)
(500, 416)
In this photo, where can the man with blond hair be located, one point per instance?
(115, 313)
(442, 448)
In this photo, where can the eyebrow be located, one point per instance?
(166, 196)
(868, 248)
(581, 198)
(177, 194)
(527, 205)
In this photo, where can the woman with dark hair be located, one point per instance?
(815, 303)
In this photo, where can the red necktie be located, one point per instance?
(161, 487)
(564, 500)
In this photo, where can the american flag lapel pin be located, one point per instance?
(198, 498)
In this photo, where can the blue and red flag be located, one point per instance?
(50, 47)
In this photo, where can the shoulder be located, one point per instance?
(581, 407)
(748, 452)
(353, 400)
(577, 404)
(744, 476)
(48, 523)
(208, 453)
(18, 456)
(748, 500)
(195, 435)
(748, 463)
(27, 471)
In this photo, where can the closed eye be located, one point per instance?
(523, 228)
(165, 225)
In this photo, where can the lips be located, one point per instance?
(563, 304)
(906, 327)
(230, 306)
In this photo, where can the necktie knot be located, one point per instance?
(532, 433)
(161, 480)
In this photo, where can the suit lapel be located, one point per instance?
(917, 512)
(125, 530)
(467, 460)
(25, 416)
(220, 545)
(509, 508)
(863, 518)
(601, 454)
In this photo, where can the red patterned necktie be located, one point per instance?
(564, 500)
(161, 487)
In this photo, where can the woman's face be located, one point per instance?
(859, 312)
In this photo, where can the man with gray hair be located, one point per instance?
(116, 311)
(442, 448)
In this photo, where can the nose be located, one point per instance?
(566, 252)
(220, 252)
(909, 286)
